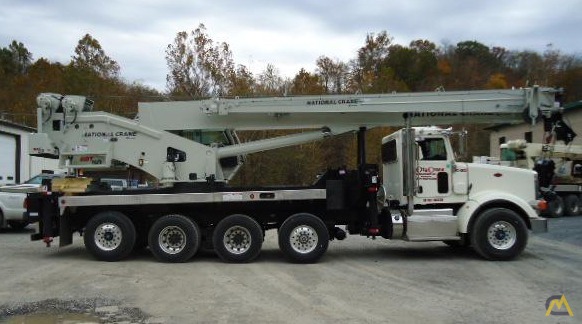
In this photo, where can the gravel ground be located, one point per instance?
(358, 280)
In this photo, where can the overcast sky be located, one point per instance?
(289, 34)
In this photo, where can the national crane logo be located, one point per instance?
(110, 134)
(333, 102)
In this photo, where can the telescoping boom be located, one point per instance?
(83, 139)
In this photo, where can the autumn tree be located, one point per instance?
(306, 83)
(269, 82)
(199, 67)
(89, 55)
(365, 68)
(332, 74)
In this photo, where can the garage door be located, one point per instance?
(7, 159)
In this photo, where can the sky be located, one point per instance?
(289, 34)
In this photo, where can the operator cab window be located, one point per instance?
(433, 149)
(205, 137)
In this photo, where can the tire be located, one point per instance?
(109, 236)
(572, 205)
(237, 239)
(555, 208)
(499, 234)
(174, 238)
(303, 238)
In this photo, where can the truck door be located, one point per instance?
(433, 174)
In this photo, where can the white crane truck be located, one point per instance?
(191, 148)
(559, 168)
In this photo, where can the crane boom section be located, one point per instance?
(483, 106)
(155, 142)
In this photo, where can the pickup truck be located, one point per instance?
(12, 200)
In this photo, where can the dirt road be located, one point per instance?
(358, 280)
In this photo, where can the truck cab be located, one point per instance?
(436, 189)
(438, 178)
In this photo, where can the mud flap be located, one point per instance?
(65, 232)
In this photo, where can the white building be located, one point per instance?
(535, 134)
(16, 165)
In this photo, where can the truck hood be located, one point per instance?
(514, 181)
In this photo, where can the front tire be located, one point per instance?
(303, 238)
(109, 236)
(174, 238)
(237, 239)
(499, 234)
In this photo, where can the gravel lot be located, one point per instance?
(358, 280)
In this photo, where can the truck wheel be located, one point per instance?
(499, 234)
(572, 205)
(303, 238)
(174, 238)
(555, 207)
(237, 239)
(109, 236)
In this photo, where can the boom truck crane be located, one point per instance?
(559, 168)
(426, 195)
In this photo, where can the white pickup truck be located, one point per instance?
(12, 200)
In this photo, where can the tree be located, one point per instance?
(497, 81)
(306, 83)
(333, 74)
(366, 68)
(270, 82)
(242, 82)
(90, 56)
(14, 60)
(199, 68)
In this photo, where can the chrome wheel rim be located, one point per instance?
(501, 235)
(172, 239)
(108, 236)
(303, 239)
(237, 240)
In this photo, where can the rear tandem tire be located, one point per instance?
(174, 238)
(499, 234)
(109, 236)
(238, 239)
(572, 205)
(555, 208)
(303, 238)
